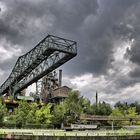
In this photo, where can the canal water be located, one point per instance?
(14, 137)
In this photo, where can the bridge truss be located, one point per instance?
(46, 56)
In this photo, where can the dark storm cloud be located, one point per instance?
(95, 25)
(133, 53)
(25, 23)
(135, 73)
(70, 15)
(6, 30)
(17, 26)
(98, 33)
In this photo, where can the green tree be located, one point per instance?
(69, 110)
(122, 106)
(104, 109)
(44, 116)
(73, 107)
(119, 105)
(131, 112)
(59, 113)
(137, 105)
(21, 113)
(87, 108)
(31, 118)
(117, 112)
(3, 111)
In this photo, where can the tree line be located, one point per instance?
(66, 112)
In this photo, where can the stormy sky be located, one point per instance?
(107, 33)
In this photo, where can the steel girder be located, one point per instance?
(49, 54)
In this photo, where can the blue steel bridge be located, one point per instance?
(46, 56)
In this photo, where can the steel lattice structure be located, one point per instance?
(46, 56)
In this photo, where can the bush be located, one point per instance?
(33, 126)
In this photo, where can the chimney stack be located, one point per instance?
(60, 78)
(96, 98)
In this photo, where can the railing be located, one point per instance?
(109, 118)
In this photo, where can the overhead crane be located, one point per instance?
(46, 56)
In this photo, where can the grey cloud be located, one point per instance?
(98, 35)
(69, 15)
(95, 25)
(4, 74)
(134, 52)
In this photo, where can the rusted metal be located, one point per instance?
(108, 118)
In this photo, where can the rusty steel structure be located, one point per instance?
(45, 57)
(108, 118)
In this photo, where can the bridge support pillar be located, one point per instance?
(112, 125)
